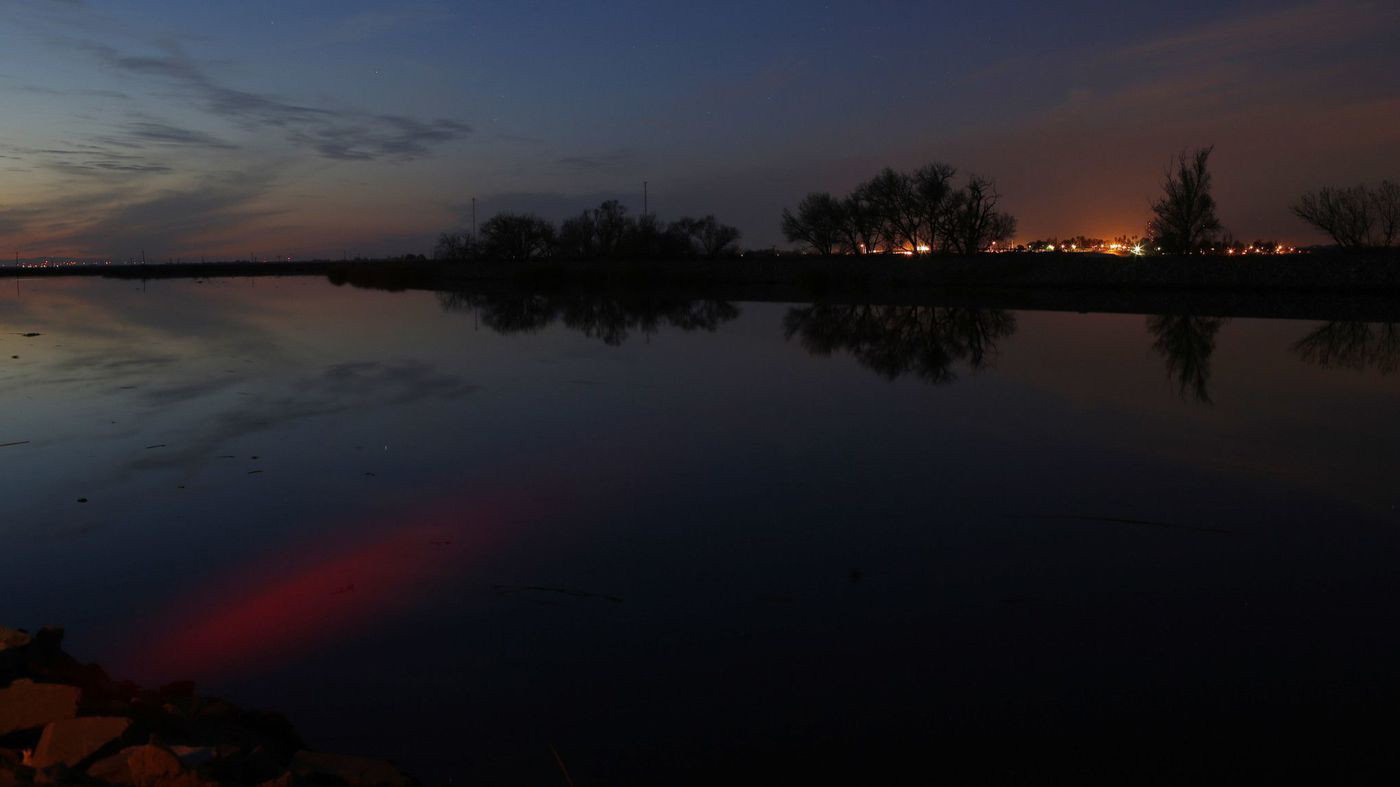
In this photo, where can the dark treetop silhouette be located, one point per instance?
(602, 233)
(1355, 218)
(1183, 219)
(916, 213)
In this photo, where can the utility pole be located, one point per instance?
(143, 256)
(473, 218)
(646, 198)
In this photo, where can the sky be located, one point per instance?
(350, 127)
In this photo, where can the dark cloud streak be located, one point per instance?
(338, 134)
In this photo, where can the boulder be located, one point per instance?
(71, 741)
(12, 638)
(12, 769)
(145, 766)
(354, 771)
(26, 705)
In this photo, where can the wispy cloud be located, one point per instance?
(334, 133)
(1316, 23)
(147, 133)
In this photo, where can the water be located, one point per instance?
(678, 540)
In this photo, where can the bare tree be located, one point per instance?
(895, 198)
(455, 247)
(817, 223)
(578, 236)
(861, 229)
(612, 225)
(1184, 218)
(517, 237)
(972, 221)
(1386, 198)
(933, 185)
(1347, 215)
(715, 239)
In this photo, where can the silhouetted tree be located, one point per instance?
(455, 246)
(715, 239)
(817, 223)
(1187, 344)
(933, 190)
(645, 238)
(1184, 218)
(597, 232)
(919, 212)
(1356, 218)
(1387, 201)
(612, 225)
(578, 237)
(1353, 345)
(895, 199)
(517, 237)
(972, 222)
(861, 228)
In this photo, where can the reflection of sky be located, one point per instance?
(557, 529)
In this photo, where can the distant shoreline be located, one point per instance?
(1317, 286)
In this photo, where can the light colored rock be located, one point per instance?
(12, 638)
(111, 770)
(71, 741)
(25, 705)
(145, 766)
(195, 756)
(354, 771)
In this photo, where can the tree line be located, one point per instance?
(919, 212)
(923, 212)
(604, 232)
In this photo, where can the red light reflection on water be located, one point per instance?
(309, 596)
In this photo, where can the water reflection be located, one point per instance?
(1352, 345)
(1187, 343)
(894, 341)
(610, 318)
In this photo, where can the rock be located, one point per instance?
(195, 756)
(71, 741)
(12, 769)
(26, 705)
(354, 771)
(145, 766)
(111, 770)
(12, 638)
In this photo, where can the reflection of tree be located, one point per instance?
(897, 340)
(1353, 345)
(1187, 343)
(608, 318)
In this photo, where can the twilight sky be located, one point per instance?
(316, 127)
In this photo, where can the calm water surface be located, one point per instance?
(673, 538)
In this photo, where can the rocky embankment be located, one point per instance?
(63, 722)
